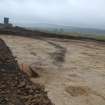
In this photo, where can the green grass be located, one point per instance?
(100, 38)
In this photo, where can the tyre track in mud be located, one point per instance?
(59, 55)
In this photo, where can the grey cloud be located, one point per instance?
(84, 13)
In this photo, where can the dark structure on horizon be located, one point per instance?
(6, 23)
(6, 20)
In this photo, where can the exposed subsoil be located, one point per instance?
(73, 71)
(15, 86)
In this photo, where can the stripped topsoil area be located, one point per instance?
(15, 86)
(72, 71)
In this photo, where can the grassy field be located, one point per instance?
(100, 37)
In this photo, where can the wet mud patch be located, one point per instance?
(77, 90)
(59, 55)
(33, 53)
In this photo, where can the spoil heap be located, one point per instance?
(15, 86)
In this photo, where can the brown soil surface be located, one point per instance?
(73, 71)
(15, 86)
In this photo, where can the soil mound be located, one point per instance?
(15, 86)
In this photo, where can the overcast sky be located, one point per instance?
(83, 13)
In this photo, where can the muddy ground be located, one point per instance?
(73, 71)
(15, 86)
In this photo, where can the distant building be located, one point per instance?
(6, 23)
(6, 20)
